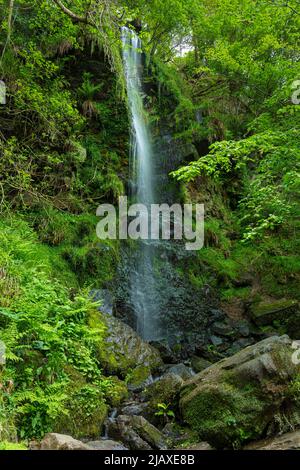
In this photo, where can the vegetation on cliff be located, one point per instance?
(222, 75)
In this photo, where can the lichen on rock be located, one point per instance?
(238, 398)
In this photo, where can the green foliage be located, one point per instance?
(44, 329)
(164, 412)
(243, 87)
(63, 150)
(4, 445)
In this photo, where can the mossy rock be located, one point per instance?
(86, 413)
(200, 363)
(136, 433)
(117, 393)
(85, 407)
(138, 377)
(163, 391)
(280, 313)
(121, 350)
(243, 397)
(180, 437)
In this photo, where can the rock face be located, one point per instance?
(245, 396)
(136, 433)
(288, 441)
(123, 350)
(284, 312)
(54, 441)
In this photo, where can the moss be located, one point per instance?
(106, 356)
(236, 293)
(294, 388)
(94, 262)
(73, 239)
(138, 376)
(222, 416)
(120, 350)
(266, 308)
(163, 391)
(200, 363)
(6, 445)
(86, 406)
(86, 413)
(185, 438)
(238, 398)
(117, 392)
(216, 235)
(148, 432)
(283, 314)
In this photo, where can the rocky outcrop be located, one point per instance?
(123, 352)
(86, 411)
(245, 396)
(136, 433)
(288, 441)
(55, 441)
(181, 370)
(284, 313)
(133, 408)
(200, 363)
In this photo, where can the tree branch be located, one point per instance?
(72, 15)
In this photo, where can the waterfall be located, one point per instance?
(143, 290)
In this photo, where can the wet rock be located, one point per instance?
(165, 351)
(139, 378)
(172, 431)
(200, 363)
(286, 312)
(288, 441)
(242, 343)
(243, 328)
(133, 408)
(216, 340)
(182, 371)
(55, 441)
(106, 299)
(122, 350)
(244, 396)
(137, 433)
(106, 444)
(216, 314)
(222, 329)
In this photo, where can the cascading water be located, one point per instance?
(143, 289)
